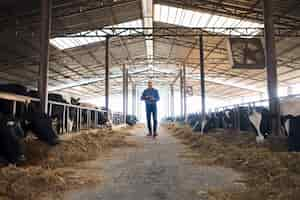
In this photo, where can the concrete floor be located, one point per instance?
(155, 171)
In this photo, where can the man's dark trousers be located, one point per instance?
(151, 109)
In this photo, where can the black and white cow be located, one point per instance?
(24, 120)
(57, 111)
(290, 119)
(11, 135)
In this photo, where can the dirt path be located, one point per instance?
(155, 171)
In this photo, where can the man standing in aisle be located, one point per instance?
(151, 96)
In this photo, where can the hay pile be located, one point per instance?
(74, 149)
(269, 175)
(51, 170)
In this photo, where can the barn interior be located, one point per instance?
(150, 38)
(105, 52)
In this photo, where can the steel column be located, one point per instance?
(202, 76)
(133, 99)
(172, 100)
(107, 76)
(181, 93)
(271, 64)
(184, 94)
(46, 6)
(124, 92)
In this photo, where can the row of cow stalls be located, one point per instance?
(20, 115)
(276, 116)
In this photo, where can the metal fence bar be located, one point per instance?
(50, 109)
(77, 119)
(64, 122)
(14, 108)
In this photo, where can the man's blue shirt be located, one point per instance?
(150, 96)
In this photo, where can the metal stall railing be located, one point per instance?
(91, 115)
(118, 118)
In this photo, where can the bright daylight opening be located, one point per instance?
(76, 41)
(197, 19)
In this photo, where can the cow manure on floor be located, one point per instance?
(51, 170)
(269, 174)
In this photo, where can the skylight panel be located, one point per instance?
(78, 39)
(213, 21)
(189, 18)
(172, 15)
(204, 19)
(195, 20)
(164, 14)
(157, 12)
(178, 16)
(221, 21)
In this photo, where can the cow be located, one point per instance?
(11, 134)
(26, 119)
(57, 111)
(290, 116)
(101, 116)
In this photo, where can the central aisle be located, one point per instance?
(155, 171)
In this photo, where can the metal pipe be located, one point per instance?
(14, 111)
(87, 119)
(80, 118)
(77, 120)
(96, 119)
(124, 92)
(184, 94)
(133, 99)
(172, 100)
(67, 117)
(271, 64)
(238, 123)
(107, 75)
(202, 76)
(181, 93)
(64, 122)
(46, 7)
(50, 109)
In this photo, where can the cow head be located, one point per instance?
(42, 127)
(75, 101)
(11, 134)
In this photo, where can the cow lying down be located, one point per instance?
(13, 131)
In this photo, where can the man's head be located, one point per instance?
(149, 84)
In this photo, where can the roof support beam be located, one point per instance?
(271, 65)
(147, 7)
(202, 76)
(46, 7)
(107, 76)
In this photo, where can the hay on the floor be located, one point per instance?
(270, 175)
(51, 170)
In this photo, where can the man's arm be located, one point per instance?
(143, 97)
(156, 96)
